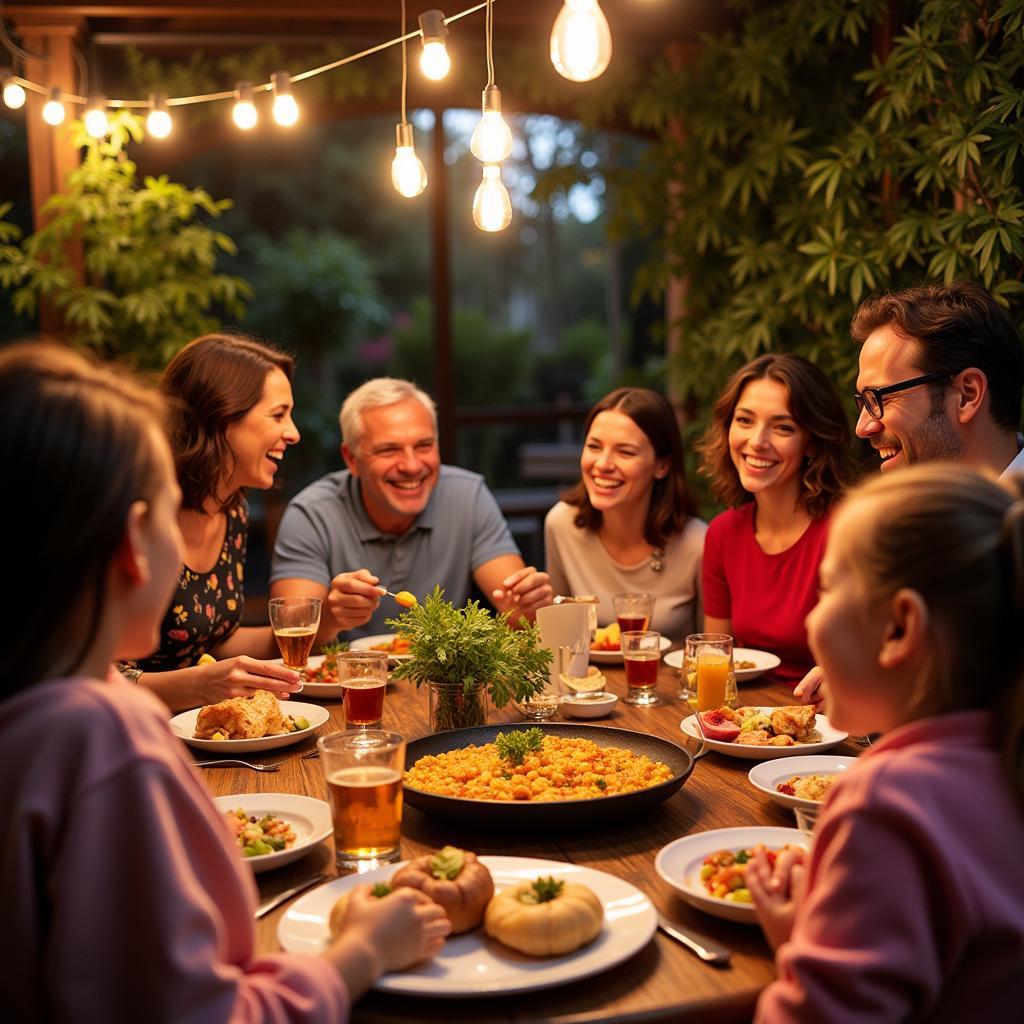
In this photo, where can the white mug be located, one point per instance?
(565, 626)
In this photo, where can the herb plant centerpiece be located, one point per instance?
(467, 654)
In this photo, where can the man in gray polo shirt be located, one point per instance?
(396, 517)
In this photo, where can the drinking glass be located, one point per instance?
(707, 679)
(295, 621)
(363, 676)
(363, 771)
(641, 653)
(633, 611)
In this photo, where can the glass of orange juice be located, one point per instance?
(707, 679)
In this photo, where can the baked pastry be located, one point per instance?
(545, 917)
(453, 878)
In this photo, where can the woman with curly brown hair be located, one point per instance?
(777, 451)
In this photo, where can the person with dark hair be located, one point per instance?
(231, 403)
(124, 895)
(628, 524)
(941, 377)
(777, 451)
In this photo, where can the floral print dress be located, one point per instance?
(207, 607)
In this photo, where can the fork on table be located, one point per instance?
(225, 762)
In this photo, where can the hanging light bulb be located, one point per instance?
(408, 174)
(492, 208)
(14, 94)
(53, 109)
(581, 43)
(286, 110)
(95, 119)
(158, 122)
(434, 60)
(492, 137)
(244, 111)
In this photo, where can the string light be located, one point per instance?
(581, 42)
(492, 208)
(14, 94)
(408, 174)
(158, 123)
(244, 111)
(492, 138)
(53, 109)
(285, 110)
(95, 118)
(434, 60)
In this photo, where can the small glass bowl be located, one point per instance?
(539, 708)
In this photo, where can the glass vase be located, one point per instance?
(453, 707)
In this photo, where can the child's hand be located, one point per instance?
(777, 892)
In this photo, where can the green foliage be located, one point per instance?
(797, 171)
(150, 281)
(514, 746)
(466, 646)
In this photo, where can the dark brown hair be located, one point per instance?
(813, 403)
(213, 382)
(669, 507)
(955, 326)
(81, 442)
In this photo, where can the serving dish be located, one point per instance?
(830, 737)
(767, 775)
(615, 657)
(764, 661)
(588, 705)
(184, 725)
(367, 643)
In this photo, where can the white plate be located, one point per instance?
(763, 662)
(829, 738)
(680, 862)
(615, 657)
(475, 965)
(310, 821)
(767, 775)
(184, 725)
(317, 691)
(365, 643)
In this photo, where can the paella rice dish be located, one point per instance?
(562, 769)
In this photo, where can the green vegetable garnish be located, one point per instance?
(514, 746)
(542, 890)
(380, 889)
(298, 724)
(448, 863)
(331, 652)
(601, 784)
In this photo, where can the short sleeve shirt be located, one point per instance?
(326, 530)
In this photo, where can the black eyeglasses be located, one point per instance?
(873, 399)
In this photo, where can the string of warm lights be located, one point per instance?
(581, 48)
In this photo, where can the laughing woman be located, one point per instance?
(627, 525)
(232, 404)
(777, 451)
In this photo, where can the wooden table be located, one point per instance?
(663, 981)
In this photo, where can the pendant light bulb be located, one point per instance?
(14, 94)
(244, 111)
(95, 119)
(581, 42)
(492, 208)
(408, 174)
(53, 109)
(434, 60)
(286, 110)
(492, 138)
(158, 122)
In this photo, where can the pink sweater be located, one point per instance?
(915, 905)
(122, 897)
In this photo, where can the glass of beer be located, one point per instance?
(641, 654)
(707, 679)
(295, 621)
(364, 786)
(633, 611)
(364, 678)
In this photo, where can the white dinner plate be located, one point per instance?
(830, 738)
(366, 643)
(184, 725)
(615, 657)
(767, 775)
(764, 661)
(309, 819)
(316, 691)
(476, 965)
(680, 862)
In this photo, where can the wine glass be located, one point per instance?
(295, 621)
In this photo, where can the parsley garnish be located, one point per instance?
(514, 746)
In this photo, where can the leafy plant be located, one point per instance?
(514, 746)
(150, 281)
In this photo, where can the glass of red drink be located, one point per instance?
(363, 676)
(633, 610)
(641, 654)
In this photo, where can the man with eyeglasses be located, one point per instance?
(941, 375)
(396, 517)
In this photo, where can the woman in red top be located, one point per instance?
(777, 451)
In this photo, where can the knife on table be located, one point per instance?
(707, 949)
(282, 897)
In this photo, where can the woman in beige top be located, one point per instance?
(628, 525)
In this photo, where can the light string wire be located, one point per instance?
(228, 94)
(405, 63)
(489, 33)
